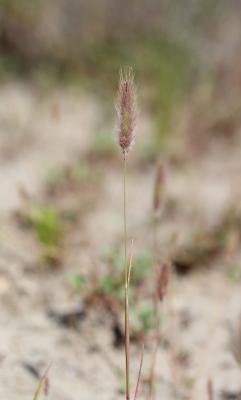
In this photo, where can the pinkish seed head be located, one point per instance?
(126, 110)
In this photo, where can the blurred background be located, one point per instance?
(61, 237)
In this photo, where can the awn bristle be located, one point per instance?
(126, 110)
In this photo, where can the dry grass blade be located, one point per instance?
(127, 328)
(130, 264)
(43, 384)
(139, 375)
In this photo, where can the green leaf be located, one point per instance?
(78, 281)
(47, 224)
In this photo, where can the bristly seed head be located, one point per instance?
(126, 110)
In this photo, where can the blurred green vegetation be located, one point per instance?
(142, 317)
(116, 262)
(78, 281)
(112, 284)
(47, 225)
(49, 231)
(104, 145)
(234, 274)
(80, 172)
(164, 68)
(164, 63)
(21, 8)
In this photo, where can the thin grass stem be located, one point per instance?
(127, 327)
(125, 215)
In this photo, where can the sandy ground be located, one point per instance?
(201, 307)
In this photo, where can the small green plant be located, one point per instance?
(78, 281)
(146, 316)
(143, 318)
(111, 283)
(47, 225)
(142, 265)
(49, 231)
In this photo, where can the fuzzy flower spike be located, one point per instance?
(126, 110)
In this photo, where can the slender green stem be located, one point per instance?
(127, 344)
(125, 215)
(127, 271)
